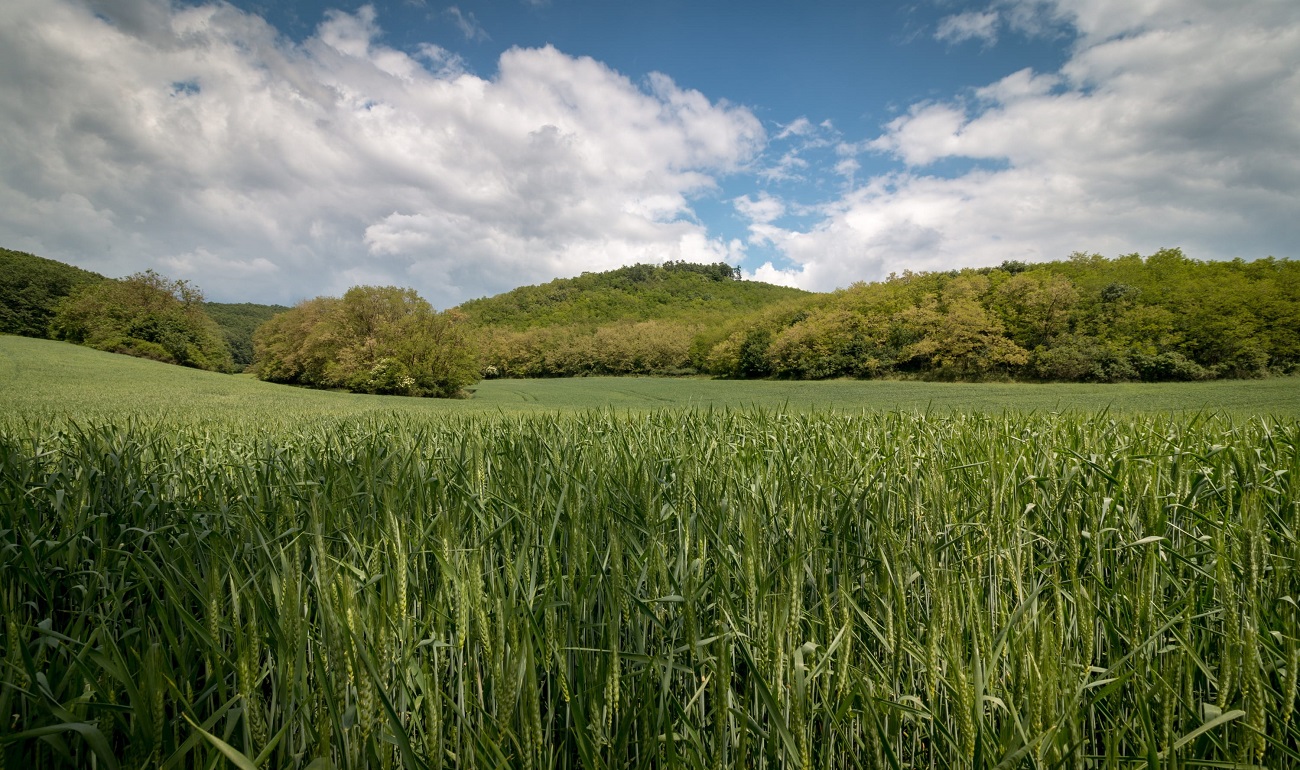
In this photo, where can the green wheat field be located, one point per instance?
(199, 570)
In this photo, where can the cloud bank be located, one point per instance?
(199, 141)
(1171, 123)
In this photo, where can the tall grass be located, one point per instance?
(682, 589)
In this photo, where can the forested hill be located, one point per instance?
(1087, 318)
(678, 291)
(30, 289)
(238, 321)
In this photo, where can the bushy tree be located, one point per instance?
(960, 338)
(146, 315)
(375, 339)
(835, 343)
(1035, 306)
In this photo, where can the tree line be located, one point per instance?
(1085, 319)
(1088, 318)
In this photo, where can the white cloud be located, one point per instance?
(467, 23)
(1172, 123)
(339, 159)
(794, 141)
(800, 126)
(764, 209)
(973, 25)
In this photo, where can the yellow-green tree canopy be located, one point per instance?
(375, 339)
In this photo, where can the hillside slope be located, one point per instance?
(238, 321)
(30, 289)
(640, 319)
(678, 291)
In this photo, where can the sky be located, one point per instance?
(277, 151)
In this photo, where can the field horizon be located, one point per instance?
(44, 379)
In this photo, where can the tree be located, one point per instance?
(375, 339)
(146, 315)
(1035, 306)
(959, 337)
(835, 343)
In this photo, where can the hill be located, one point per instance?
(238, 321)
(30, 289)
(1088, 318)
(677, 291)
(640, 319)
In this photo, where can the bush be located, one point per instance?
(1083, 359)
(1171, 366)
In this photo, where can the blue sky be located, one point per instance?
(276, 151)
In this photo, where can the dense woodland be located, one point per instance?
(31, 288)
(238, 321)
(1163, 317)
(1088, 318)
(640, 319)
(145, 315)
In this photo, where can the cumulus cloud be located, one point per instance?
(1173, 122)
(763, 210)
(276, 170)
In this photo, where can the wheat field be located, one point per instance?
(686, 588)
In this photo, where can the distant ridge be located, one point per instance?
(680, 291)
(640, 319)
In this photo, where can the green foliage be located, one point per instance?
(145, 315)
(675, 291)
(1164, 317)
(752, 588)
(238, 321)
(373, 340)
(640, 319)
(31, 288)
(1160, 318)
